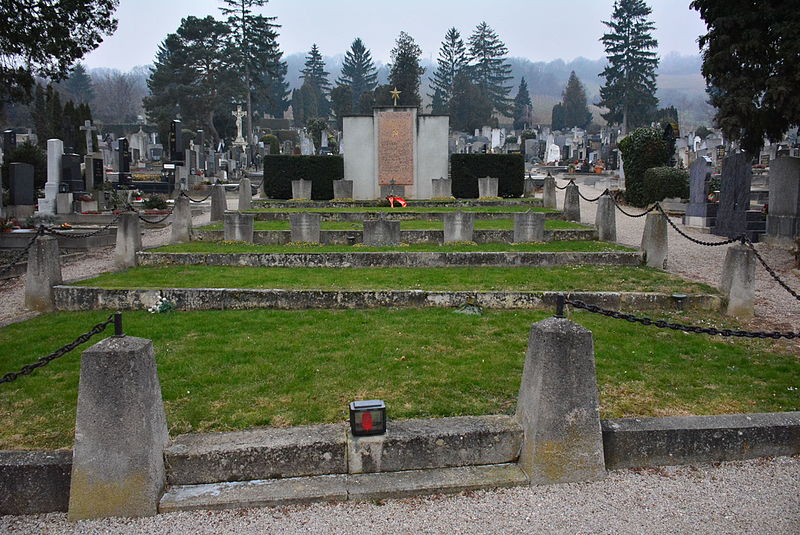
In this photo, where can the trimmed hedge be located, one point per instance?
(465, 169)
(280, 170)
(665, 182)
(643, 149)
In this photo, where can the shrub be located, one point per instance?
(280, 170)
(465, 169)
(665, 182)
(642, 149)
(154, 202)
(272, 142)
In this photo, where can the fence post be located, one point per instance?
(245, 194)
(738, 280)
(129, 240)
(219, 204)
(558, 405)
(120, 432)
(44, 272)
(606, 219)
(181, 221)
(572, 203)
(654, 240)
(549, 192)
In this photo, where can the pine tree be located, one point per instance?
(470, 107)
(315, 75)
(522, 106)
(576, 111)
(557, 117)
(358, 71)
(452, 60)
(79, 85)
(405, 70)
(491, 70)
(630, 87)
(341, 103)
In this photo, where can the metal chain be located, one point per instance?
(183, 193)
(633, 215)
(140, 216)
(54, 232)
(679, 326)
(565, 187)
(60, 352)
(772, 271)
(5, 269)
(592, 200)
(741, 237)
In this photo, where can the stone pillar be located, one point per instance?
(342, 189)
(458, 226)
(572, 203)
(783, 220)
(549, 192)
(528, 187)
(219, 204)
(55, 150)
(301, 189)
(305, 226)
(120, 432)
(654, 241)
(181, 221)
(487, 187)
(239, 227)
(129, 240)
(528, 227)
(739, 281)
(442, 188)
(245, 194)
(558, 405)
(44, 272)
(606, 219)
(381, 232)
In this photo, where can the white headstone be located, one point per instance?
(55, 150)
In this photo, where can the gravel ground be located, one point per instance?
(752, 497)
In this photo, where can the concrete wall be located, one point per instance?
(359, 156)
(432, 153)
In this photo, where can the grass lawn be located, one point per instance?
(480, 224)
(241, 247)
(567, 278)
(229, 370)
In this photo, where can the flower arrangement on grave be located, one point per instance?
(86, 197)
(7, 225)
(162, 306)
(154, 202)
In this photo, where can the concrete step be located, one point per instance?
(341, 487)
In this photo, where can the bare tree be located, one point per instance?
(118, 96)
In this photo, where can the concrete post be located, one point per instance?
(129, 240)
(549, 192)
(239, 227)
(219, 204)
(572, 203)
(245, 194)
(181, 221)
(44, 272)
(606, 219)
(528, 227)
(458, 226)
(558, 405)
(305, 226)
(654, 241)
(120, 432)
(738, 280)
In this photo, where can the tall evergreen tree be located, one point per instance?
(316, 76)
(358, 71)
(79, 85)
(522, 106)
(341, 103)
(452, 60)
(470, 107)
(557, 117)
(405, 70)
(490, 69)
(629, 91)
(576, 111)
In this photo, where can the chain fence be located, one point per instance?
(605, 192)
(771, 271)
(184, 194)
(115, 318)
(76, 235)
(565, 187)
(4, 270)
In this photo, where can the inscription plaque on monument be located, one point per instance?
(396, 148)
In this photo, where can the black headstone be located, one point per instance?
(21, 184)
(176, 141)
(124, 156)
(71, 172)
(97, 173)
(9, 140)
(734, 196)
(699, 176)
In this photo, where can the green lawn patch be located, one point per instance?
(566, 278)
(240, 247)
(480, 224)
(228, 370)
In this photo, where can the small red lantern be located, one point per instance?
(368, 417)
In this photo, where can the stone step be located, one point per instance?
(341, 487)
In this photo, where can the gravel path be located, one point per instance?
(752, 497)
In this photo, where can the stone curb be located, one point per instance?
(453, 203)
(73, 298)
(358, 217)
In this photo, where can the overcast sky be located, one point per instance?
(541, 30)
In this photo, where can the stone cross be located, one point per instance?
(88, 129)
(239, 114)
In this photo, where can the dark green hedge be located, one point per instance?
(664, 183)
(465, 169)
(280, 170)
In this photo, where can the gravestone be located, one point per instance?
(176, 152)
(9, 141)
(342, 189)
(528, 227)
(124, 159)
(699, 210)
(458, 226)
(301, 189)
(305, 226)
(71, 172)
(734, 196)
(238, 227)
(487, 187)
(55, 150)
(783, 220)
(442, 188)
(95, 177)
(22, 195)
(381, 232)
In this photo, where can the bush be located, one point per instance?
(26, 153)
(272, 142)
(665, 182)
(154, 202)
(280, 170)
(465, 169)
(642, 149)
